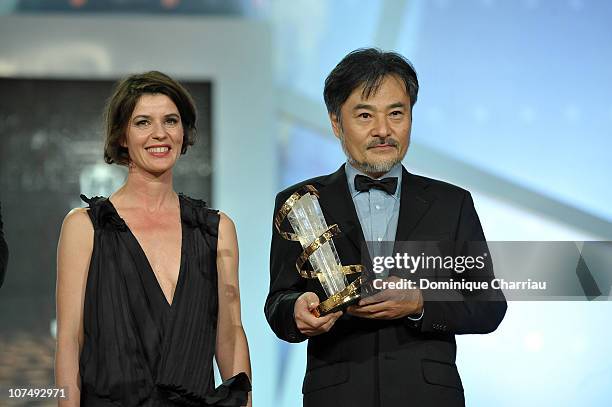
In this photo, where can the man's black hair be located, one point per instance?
(367, 67)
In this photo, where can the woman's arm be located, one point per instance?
(73, 256)
(3, 252)
(232, 350)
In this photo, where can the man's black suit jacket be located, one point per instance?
(362, 362)
(3, 252)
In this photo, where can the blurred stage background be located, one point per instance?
(515, 105)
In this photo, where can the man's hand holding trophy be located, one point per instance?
(304, 213)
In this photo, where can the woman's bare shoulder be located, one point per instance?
(77, 222)
(227, 228)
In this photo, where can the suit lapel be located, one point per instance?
(414, 203)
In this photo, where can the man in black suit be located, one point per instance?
(3, 252)
(397, 347)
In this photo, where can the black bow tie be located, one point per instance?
(363, 183)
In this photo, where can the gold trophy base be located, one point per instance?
(340, 300)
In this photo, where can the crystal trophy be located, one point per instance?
(304, 213)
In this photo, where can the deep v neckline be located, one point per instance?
(148, 262)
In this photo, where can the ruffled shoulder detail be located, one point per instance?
(233, 392)
(103, 214)
(197, 214)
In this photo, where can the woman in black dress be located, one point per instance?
(147, 287)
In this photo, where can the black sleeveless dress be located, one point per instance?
(138, 349)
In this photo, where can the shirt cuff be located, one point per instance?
(413, 318)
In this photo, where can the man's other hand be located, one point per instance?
(389, 304)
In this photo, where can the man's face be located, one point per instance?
(375, 132)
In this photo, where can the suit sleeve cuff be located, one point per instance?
(293, 334)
